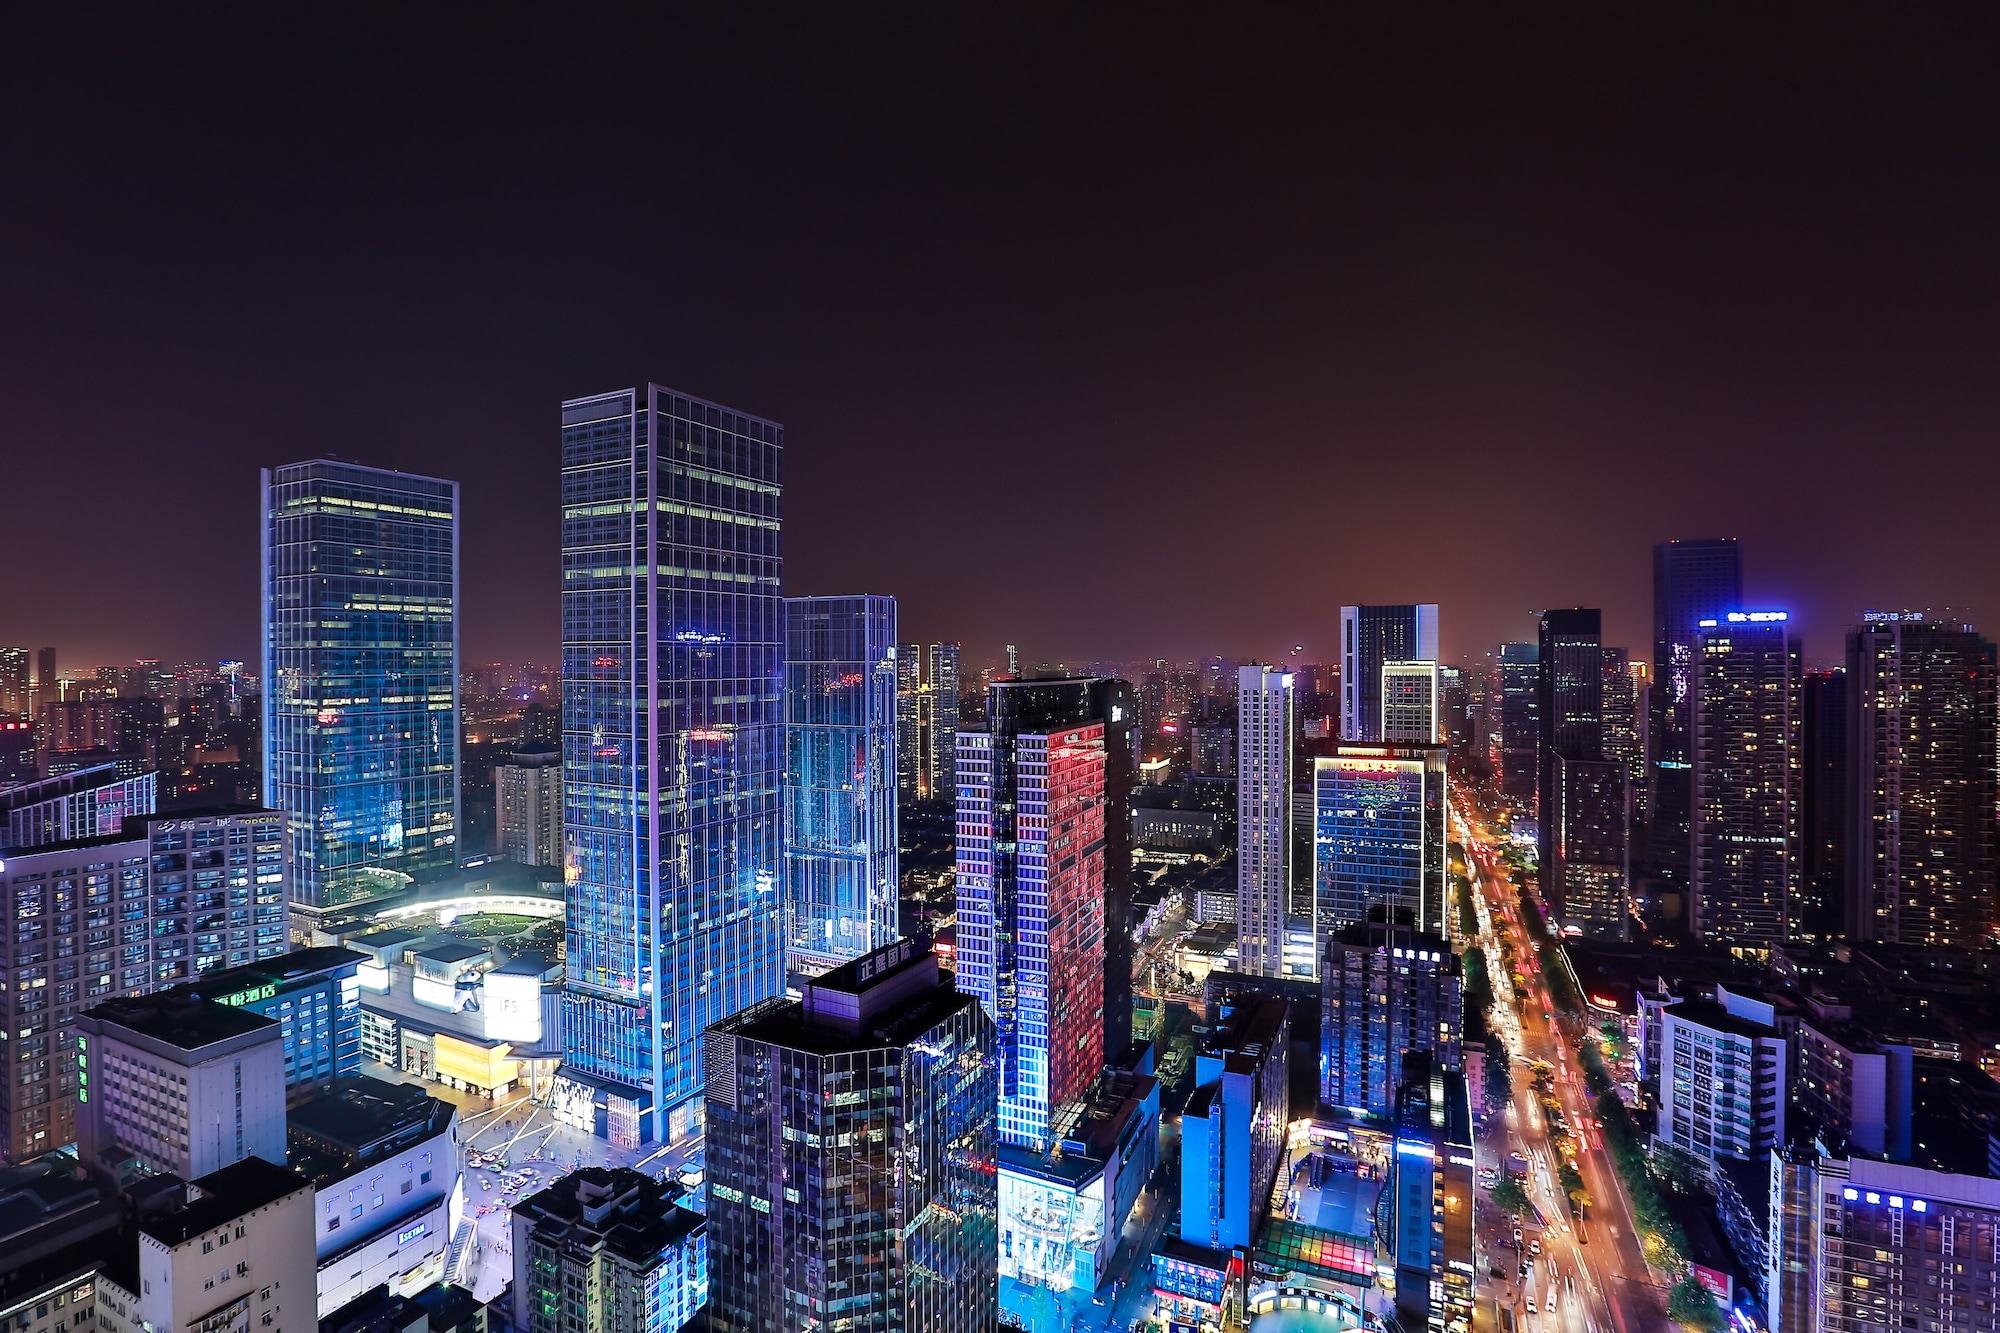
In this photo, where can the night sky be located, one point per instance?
(1108, 335)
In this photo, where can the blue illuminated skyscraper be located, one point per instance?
(1379, 835)
(360, 634)
(840, 779)
(673, 745)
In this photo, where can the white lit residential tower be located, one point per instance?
(1410, 697)
(1266, 711)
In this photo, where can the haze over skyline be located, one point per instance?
(1107, 341)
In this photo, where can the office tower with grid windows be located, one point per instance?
(16, 693)
(1032, 890)
(673, 746)
(1520, 673)
(909, 723)
(1379, 835)
(1266, 719)
(1922, 721)
(1370, 636)
(840, 782)
(360, 676)
(1569, 705)
(942, 706)
(1693, 581)
(1412, 703)
(853, 1156)
(1745, 862)
(1386, 988)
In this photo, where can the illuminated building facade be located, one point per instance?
(1031, 862)
(1412, 699)
(1587, 878)
(840, 783)
(1921, 729)
(1431, 1183)
(1569, 710)
(909, 723)
(16, 694)
(1369, 637)
(1520, 720)
(1693, 581)
(529, 808)
(121, 917)
(1379, 835)
(1622, 741)
(1063, 1209)
(673, 745)
(1233, 1130)
(360, 675)
(852, 1155)
(1745, 863)
(1386, 989)
(89, 802)
(1266, 717)
(941, 699)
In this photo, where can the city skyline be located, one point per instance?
(1624, 314)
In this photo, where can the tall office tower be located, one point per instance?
(122, 917)
(944, 721)
(673, 814)
(1032, 874)
(909, 723)
(1744, 862)
(1569, 706)
(1233, 1130)
(529, 803)
(1266, 716)
(1412, 703)
(853, 1155)
(1621, 715)
(1386, 988)
(840, 781)
(1431, 1192)
(1921, 726)
(1454, 706)
(16, 696)
(1379, 835)
(612, 1241)
(1588, 876)
(360, 671)
(1823, 826)
(1693, 581)
(1520, 720)
(48, 687)
(1370, 636)
(1723, 1092)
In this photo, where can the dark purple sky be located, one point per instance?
(1108, 335)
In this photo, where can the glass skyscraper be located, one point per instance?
(1693, 581)
(840, 778)
(852, 1158)
(1031, 893)
(673, 745)
(360, 672)
(1370, 636)
(1378, 835)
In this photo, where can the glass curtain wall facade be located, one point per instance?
(840, 778)
(673, 745)
(1693, 581)
(1378, 835)
(1369, 637)
(943, 700)
(909, 722)
(852, 1160)
(1030, 860)
(360, 635)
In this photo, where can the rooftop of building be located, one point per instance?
(353, 1122)
(283, 970)
(1710, 1014)
(1251, 1026)
(886, 998)
(440, 1307)
(221, 1196)
(450, 949)
(628, 1212)
(186, 1021)
(19, 860)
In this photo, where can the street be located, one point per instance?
(1591, 1273)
